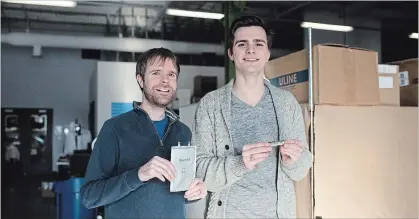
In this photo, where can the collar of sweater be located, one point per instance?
(169, 112)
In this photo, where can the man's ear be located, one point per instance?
(140, 81)
(269, 55)
(230, 54)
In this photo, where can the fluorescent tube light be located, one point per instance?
(58, 3)
(197, 14)
(413, 35)
(327, 26)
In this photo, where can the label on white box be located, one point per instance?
(184, 160)
(385, 82)
(388, 69)
(404, 78)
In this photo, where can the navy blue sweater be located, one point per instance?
(124, 144)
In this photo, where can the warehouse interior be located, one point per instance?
(71, 63)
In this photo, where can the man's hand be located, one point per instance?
(159, 168)
(291, 151)
(196, 190)
(253, 154)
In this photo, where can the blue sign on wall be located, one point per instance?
(119, 108)
(290, 79)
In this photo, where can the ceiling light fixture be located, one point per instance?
(331, 27)
(413, 35)
(196, 14)
(60, 3)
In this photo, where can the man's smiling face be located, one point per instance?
(250, 50)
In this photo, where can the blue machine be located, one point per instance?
(68, 201)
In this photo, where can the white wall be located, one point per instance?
(116, 83)
(187, 113)
(368, 39)
(59, 80)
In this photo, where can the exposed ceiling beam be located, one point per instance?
(19, 25)
(393, 14)
(71, 18)
(86, 9)
(294, 8)
(374, 10)
(158, 18)
(127, 3)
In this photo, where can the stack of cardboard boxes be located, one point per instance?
(366, 132)
(408, 82)
(346, 76)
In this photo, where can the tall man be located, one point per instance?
(129, 170)
(246, 177)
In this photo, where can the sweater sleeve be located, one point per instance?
(299, 169)
(102, 186)
(218, 172)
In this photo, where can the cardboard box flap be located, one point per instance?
(403, 61)
(362, 49)
(347, 76)
(344, 46)
(333, 45)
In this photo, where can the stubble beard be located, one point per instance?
(154, 100)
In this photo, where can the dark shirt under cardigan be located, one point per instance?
(125, 143)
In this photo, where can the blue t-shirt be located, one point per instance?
(161, 126)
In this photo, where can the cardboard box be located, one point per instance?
(409, 95)
(341, 75)
(408, 71)
(303, 187)
(408, 82)
(366, 162)
(388, 83)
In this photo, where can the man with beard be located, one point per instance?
(129, 171)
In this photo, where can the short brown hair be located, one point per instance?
(247, 21)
